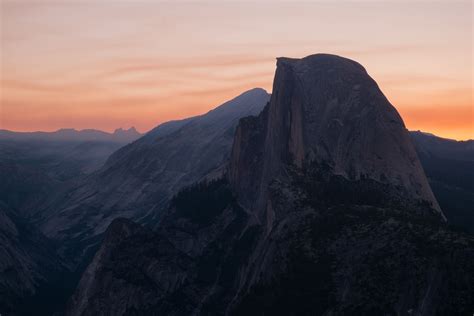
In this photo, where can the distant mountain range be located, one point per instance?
(34, 166)
(312, 200)
(68, 134)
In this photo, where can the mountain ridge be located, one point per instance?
(139, 179)
(449, 166)
(70, 134)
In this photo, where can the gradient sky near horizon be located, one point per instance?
(109, 64)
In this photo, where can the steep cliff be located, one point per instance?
(327, 111)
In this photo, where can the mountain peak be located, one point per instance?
(247, 103)
(327, 112)
(254, 91)
(322, 60)
(131, 130)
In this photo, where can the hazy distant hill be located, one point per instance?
(36, 166)
(68, 134)
(449, 166)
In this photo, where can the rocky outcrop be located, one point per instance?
(327, 111)
(126, 135)
(299, 224)
(99, 278)
(181, 257)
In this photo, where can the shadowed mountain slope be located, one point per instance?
(449, 166)
(33, 171)
(138, 180)
(31, 274)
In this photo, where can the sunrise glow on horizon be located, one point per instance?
(84, 64)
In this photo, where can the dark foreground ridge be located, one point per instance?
(323, 210)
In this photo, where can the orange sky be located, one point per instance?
(109, 64)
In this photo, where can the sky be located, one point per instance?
(120, 63)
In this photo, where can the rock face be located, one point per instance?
(126, 135)
(342, 261)
(299, 225)
(327, 111)
(100, 278)
(138, 180)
